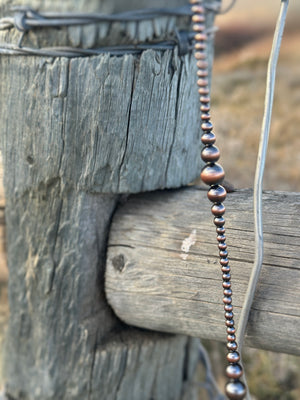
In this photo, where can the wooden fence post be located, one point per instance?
(75, 133)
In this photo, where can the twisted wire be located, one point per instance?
(26, 18)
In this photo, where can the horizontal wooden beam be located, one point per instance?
(163, 272)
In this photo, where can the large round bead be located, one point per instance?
(233, 356)
(208, 138)
(234, 371)
(210, 154)
(217, 194)
(235, 390)
(212, 174)
(231, 346)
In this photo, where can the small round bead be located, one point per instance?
(226, 285)
(196, 1)
(231, 338)
(205, 116)
(232, 346)
(202, 82)
(230, 331)
(198, 18)
(235, 390)
(198, 9)
(201, 37)
(228, 300)
(199, 55)
(218, 209)
(220, 230)
(227, 292)
(219, 221)
(226, 277)
(210, 154)
(200, 46)
(201, 63)
(228, 314)
(221, 238)
(224, 261)
(205, 99)
(225, 268)
(208, 138)
(233, 356)
(197, 36)
(198, 28)
(222, 246)
(202, 73)
(223, 253)
(229, 322)
(205, 108)
(234, 371)
(203, 91)
(228, 307)
(213, 174)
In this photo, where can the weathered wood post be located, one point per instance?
(75, 133)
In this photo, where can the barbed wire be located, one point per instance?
(26, 19)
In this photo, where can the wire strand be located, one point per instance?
(260, 166)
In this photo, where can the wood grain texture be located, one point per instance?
(74, 134)
(163, 272)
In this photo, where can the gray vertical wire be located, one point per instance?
(258, 182)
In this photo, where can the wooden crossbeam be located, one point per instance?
(163, 271)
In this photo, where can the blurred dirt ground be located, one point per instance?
(238, 85)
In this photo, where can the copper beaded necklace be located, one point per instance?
(213, 174)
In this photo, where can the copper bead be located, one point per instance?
(205, 116)
(202, 73)
(217, 194)
(232, 346)
(208, 138)
(203, 91)
(198, 18)
(201, 37)
(202, 82)
(219, 221)
(234, 371)
(226, 285)
(234, 356)
(205, 108)
(198, 9)
(201, 64)
(235, 390)
(196, 1)
(198, 28)
(218, 209)
(213, 174)
(227, 292)
(210, 154)
(205, 99)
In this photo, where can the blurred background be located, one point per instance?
(243, 44)
(242, 47)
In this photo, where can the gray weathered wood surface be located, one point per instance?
(74, 134)
(152, 282)
(135, 108)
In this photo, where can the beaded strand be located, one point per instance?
(213, 174)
